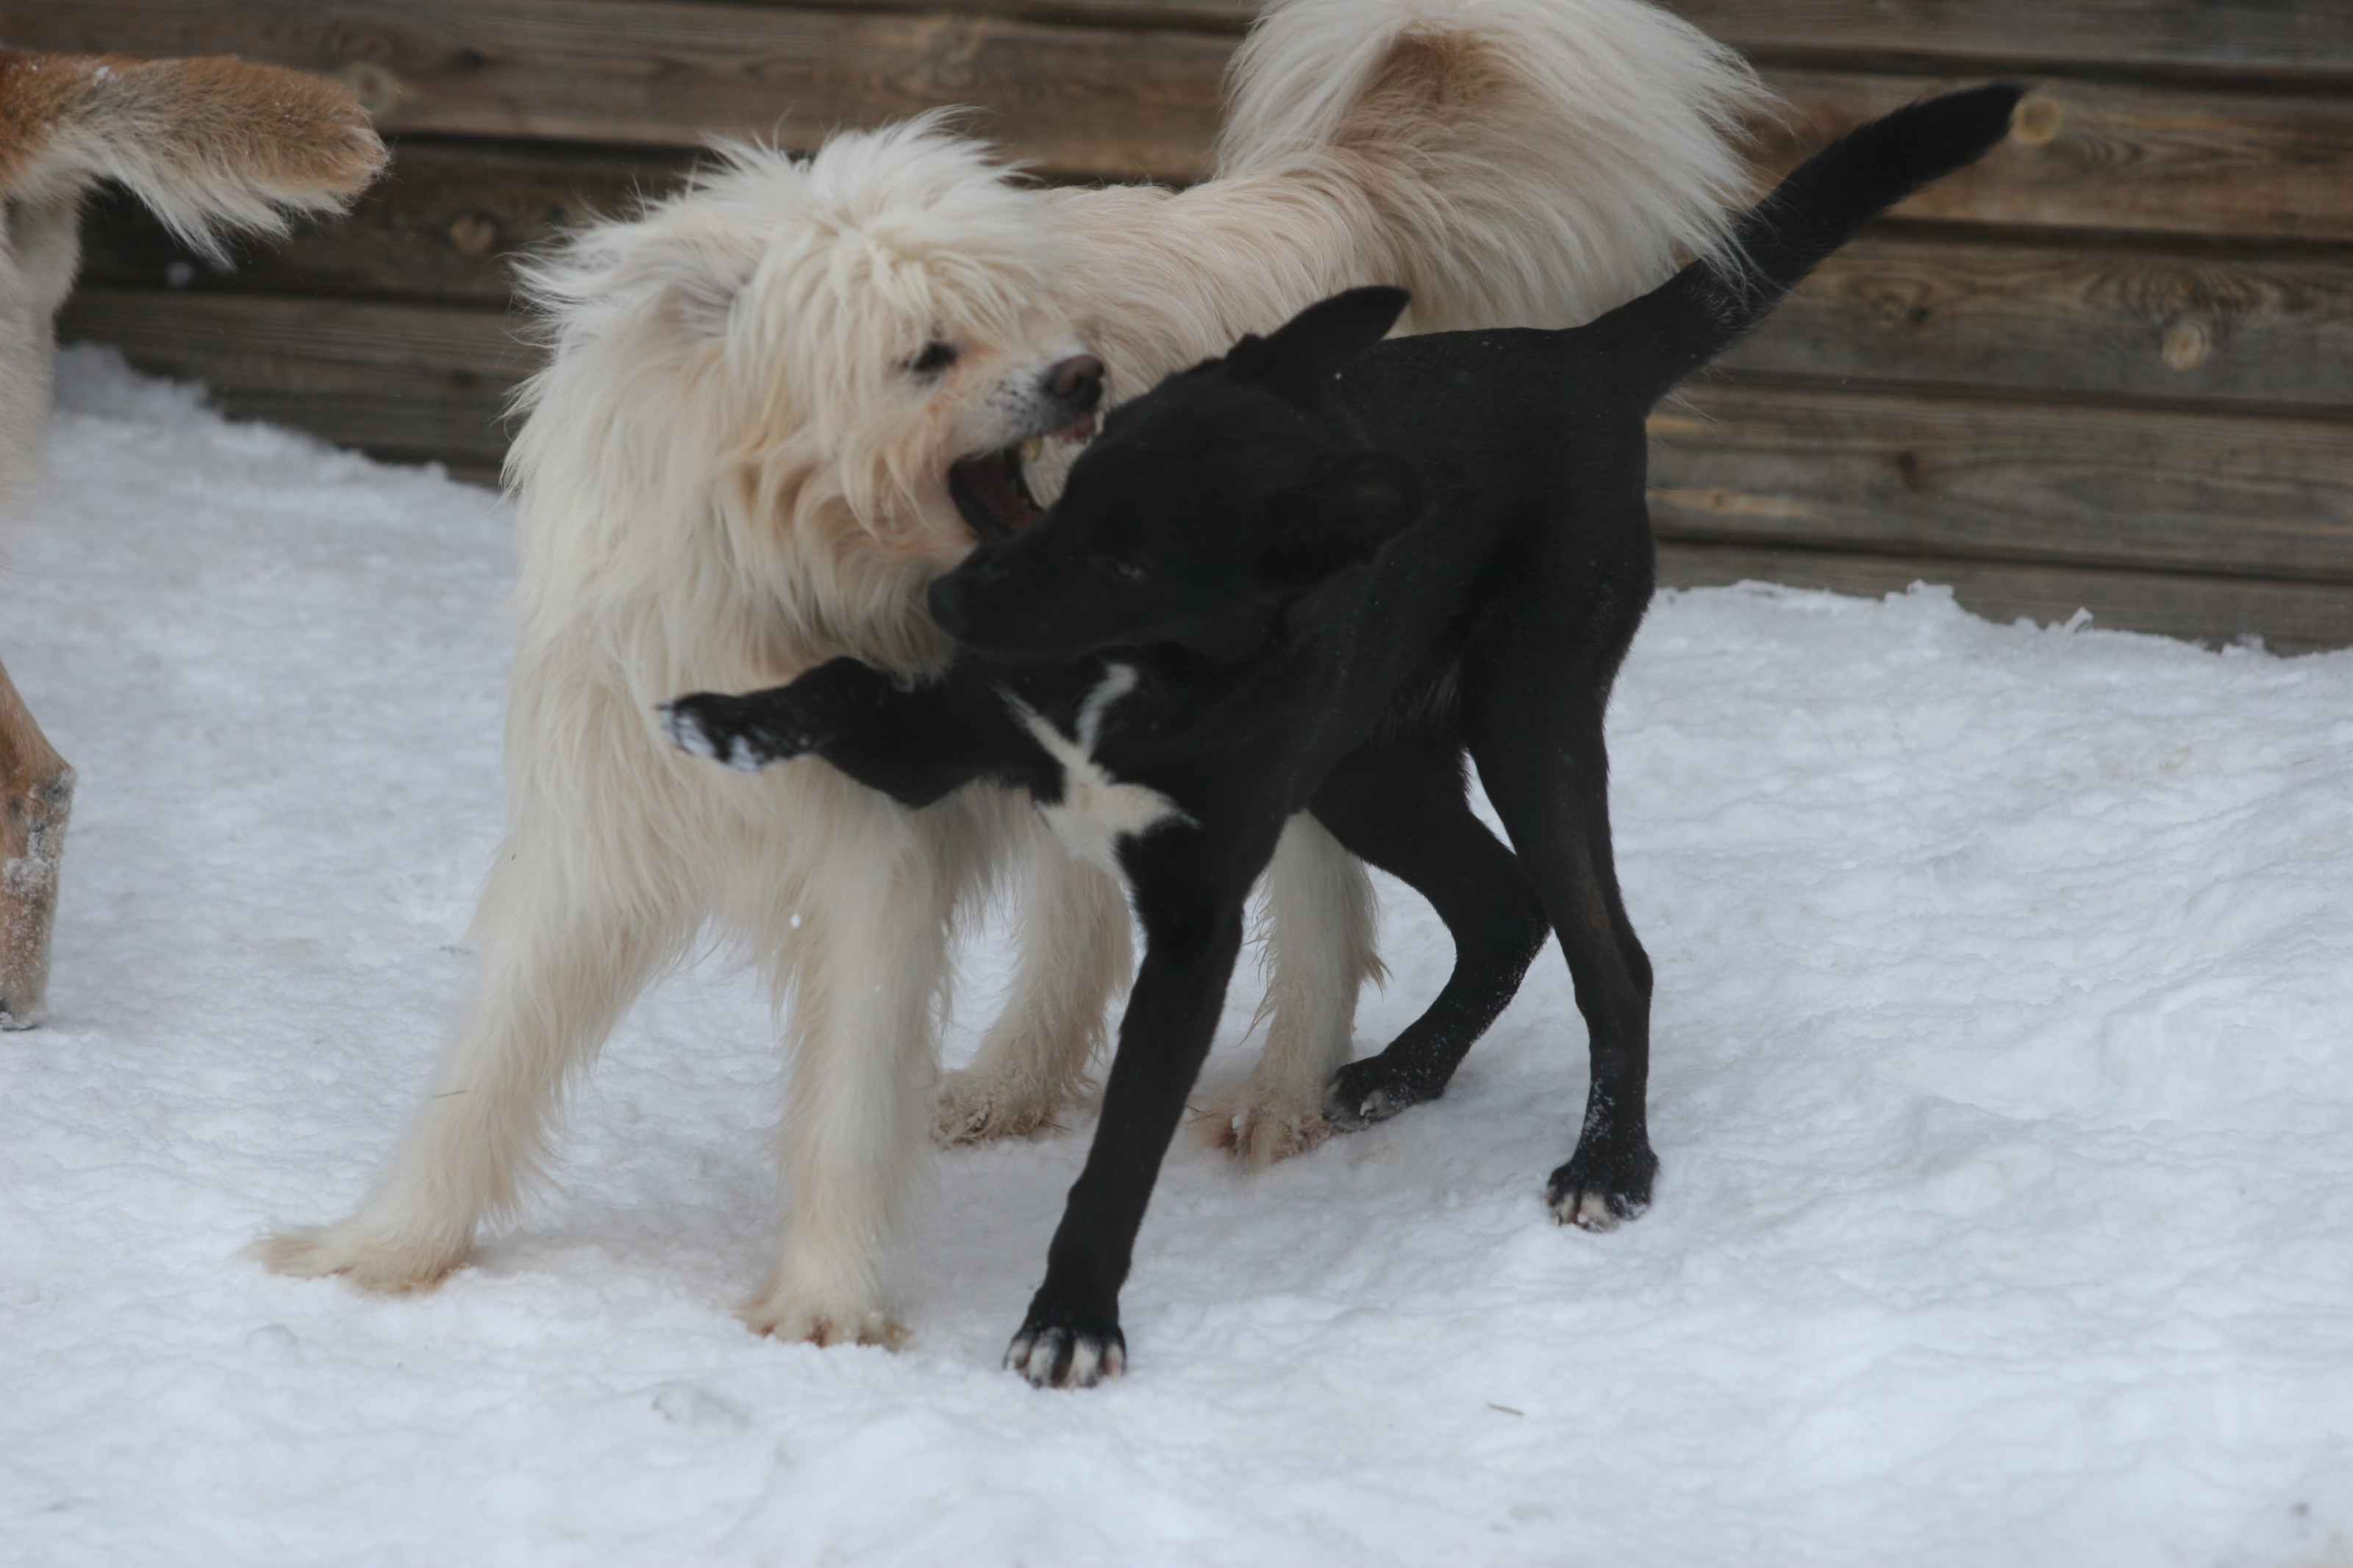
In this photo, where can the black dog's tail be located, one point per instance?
(1716, 302)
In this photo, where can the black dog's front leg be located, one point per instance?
(913, 744)
(1072, 1335)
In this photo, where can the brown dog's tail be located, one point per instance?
(212, 146)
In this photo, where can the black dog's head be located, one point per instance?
(1203, 507)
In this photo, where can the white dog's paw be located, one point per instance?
(793, 1318)
(975, 1109)
(1258, 1125)
(368, 1258)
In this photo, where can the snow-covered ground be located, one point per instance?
(2004, 1088)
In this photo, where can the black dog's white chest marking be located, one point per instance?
(1096, 810)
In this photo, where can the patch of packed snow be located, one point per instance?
(2004, 1085)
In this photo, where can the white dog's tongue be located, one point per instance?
(989, 482)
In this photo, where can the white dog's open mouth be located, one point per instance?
(991, 490)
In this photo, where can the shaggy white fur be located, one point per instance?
(736, 466)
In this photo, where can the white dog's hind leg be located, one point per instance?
(1075, 952)
(556, 966)
(869, 970)
(1321, 920)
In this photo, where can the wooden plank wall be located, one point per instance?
(2110, 367)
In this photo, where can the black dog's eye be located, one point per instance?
(936, 357)
(1130, 570)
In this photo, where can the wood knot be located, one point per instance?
(2186, 344)
(473, 234)
(2037, 119)
(951, 51)
(378, 90)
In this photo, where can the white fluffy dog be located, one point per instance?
(769, 399)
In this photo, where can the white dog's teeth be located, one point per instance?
(1033, 448)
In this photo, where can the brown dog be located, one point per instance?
(213, 147)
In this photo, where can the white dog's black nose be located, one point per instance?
(1077, 381)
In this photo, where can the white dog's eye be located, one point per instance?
(936, 357)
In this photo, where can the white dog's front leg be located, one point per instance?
(553, 971)
(1320, 922)
(868, 974)
(1075, 953)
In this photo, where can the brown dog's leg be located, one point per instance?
(36, 795)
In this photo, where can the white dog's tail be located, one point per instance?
(1538, 161)
(212, 146)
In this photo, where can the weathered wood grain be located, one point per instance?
(2289, 618)
(2286, 39)
(462, 437)
(673, 72)
(1207, 15)
(447, 224)
(2185, 325)
(2099, 155)
(1103, 99)
(402, 380)
(2275, 38)
(1939, 308)
(2052, 483)
(336, 346)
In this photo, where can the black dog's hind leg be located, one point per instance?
(1534, 684)
(1403, 807)
(1192, 931)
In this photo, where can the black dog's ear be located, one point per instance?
(1296, 361)
(1340, 517)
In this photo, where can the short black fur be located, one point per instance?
(1313, 575)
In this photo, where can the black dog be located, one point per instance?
(1329, 565)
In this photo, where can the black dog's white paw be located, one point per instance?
(1359, 1099)
(1061, 1357)
(692, 730)
(1369, 1092)
(1590, 1208)
(736, 734)
(1600, 1190)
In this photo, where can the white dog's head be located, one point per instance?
(838, 358)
